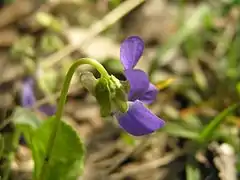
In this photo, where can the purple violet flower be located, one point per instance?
(138, 120)
(28, 98)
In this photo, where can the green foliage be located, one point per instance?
(1, 145)
(235, 2)
(210, 128)
(120, 100)
(67, 157)
(118, 94)
(207, 48)
(181, 129)
(192, 172)
(66, 161)
(26, 122)
(8, 1)
(128, 139)
(111, 95)
(49, 21)
(23, 47)
(114, 3)
(47, 80)
(50, 43)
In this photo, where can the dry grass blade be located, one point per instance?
(94, 30)
(225, 162)
(148, 166)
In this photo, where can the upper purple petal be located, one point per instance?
(130, 51)
(138, 120)
(150, 95)
(138, 81)
(27, 95)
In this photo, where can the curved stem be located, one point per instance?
(60, 107)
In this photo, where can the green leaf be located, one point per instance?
(210, 129)
(192, 121)
(181, 129)
(103, 96)
(129, 140)
(26, 122)
(66, 162)
(24, 116)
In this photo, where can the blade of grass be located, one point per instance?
(209, 129)
(164, 53)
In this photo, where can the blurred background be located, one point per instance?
(191, 55)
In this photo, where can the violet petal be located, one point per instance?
(138, 81)
(48, 109)
(130, 51)
(28, 98)
(138, 120)
(150, 95)
(27, 95)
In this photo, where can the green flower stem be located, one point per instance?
(60, 107)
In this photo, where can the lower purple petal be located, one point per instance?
(138, 120)
(138, 81)
(149, 96)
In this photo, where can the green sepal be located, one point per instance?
(119, 94)
(120, 100)
(126, 86)
(103, 96)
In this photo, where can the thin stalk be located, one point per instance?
(60, 108)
